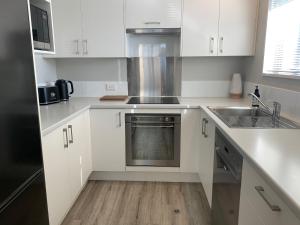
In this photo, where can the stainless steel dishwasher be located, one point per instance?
(228, 164)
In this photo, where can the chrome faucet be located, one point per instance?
(276, 107)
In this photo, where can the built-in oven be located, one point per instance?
(153, 140)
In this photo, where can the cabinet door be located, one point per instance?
(56, 175)
(190, 142)
(206, 165)
(200, 28)
(75, 156)
(67, 27)
(237, 27)
(108, 140)
(85, 140)
(153, 13)
(103, 28)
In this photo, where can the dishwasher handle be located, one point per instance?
(227, 165)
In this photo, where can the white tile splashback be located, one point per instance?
(205, 88)
(189, 88)
(288, 99)
(98, 88)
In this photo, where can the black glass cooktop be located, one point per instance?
(153, 100)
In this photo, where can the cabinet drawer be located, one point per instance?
(248, 214)
(262, 197)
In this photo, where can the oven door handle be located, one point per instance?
(151, 126)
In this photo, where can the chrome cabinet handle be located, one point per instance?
(204, 123)
(261, 192)
(70, 128)
(65, 136)
(211, 44)
(120, 119)
(221, 44)
(77, 47)
(85, 47)
(152, 23)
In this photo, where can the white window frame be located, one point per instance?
(278, 74)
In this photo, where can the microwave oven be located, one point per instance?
(40, 28)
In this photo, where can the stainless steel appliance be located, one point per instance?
(226, 182)
(48, 95)
(153, 100)
(22, 190)
(153, 140)
(40, 28)
(153, 62)
(63, 88)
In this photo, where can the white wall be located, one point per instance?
(45, 69)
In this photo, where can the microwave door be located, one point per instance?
(45, 30)
(34, 23)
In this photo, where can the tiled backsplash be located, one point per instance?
(99, 88)
(289, 100)
(189, 88)
(205, 88)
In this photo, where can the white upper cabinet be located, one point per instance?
(89, 28)
(67, 26)
(103, 28)
(219, 27)
(153, 13)
(237, 27)
(200, 28)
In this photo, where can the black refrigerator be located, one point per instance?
(22, 185)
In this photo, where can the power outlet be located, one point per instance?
(110, 87)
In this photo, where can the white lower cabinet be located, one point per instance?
(56, 175)
(190, 142)
(67, 163)
(206, 158)
(259, 202)
(108, 139)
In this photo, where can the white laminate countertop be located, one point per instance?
(274, 152)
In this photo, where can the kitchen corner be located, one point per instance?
(150, 112)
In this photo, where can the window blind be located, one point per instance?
(282, 49)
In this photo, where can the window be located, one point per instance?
(282, 50)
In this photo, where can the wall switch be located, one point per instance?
(110, 87)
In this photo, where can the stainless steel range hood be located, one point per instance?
(153, 62)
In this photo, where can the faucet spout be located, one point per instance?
(276, 107)
(260, 102)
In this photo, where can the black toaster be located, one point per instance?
(48, 95)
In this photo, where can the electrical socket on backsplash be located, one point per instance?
(110, 87)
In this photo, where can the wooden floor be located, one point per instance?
(140, 203)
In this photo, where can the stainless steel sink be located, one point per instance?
(246, 117)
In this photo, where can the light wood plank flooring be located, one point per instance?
(140, 203)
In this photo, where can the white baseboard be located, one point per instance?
(146, 176)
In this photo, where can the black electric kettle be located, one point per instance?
(64, 89)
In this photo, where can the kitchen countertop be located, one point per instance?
(55, 115)
(274, 152)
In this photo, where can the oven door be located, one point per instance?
(153, 140)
